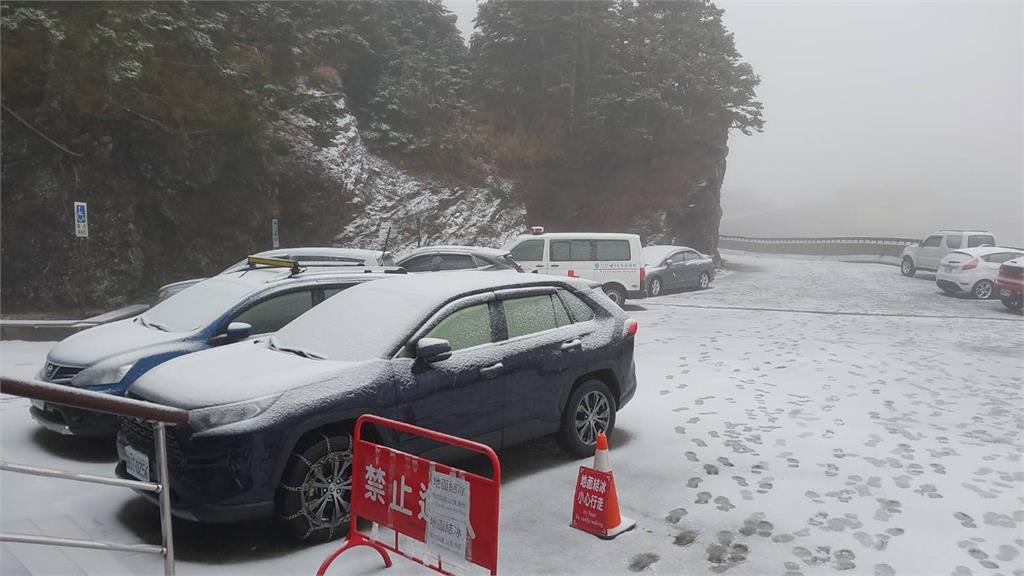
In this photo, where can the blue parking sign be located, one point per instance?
(81, 220)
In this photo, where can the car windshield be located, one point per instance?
(364, 322)
(196, 307)
(653, 255)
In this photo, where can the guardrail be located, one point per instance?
(160, 416)
(824, 246)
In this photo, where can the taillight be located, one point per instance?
(632, 326)
(643, 276)
(970, 265)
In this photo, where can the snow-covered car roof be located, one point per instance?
(481, 250)
(371, 320)
(316, 254)
(1017, 262)
(985, 250)
(653, 255)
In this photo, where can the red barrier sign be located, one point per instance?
(454, 512)
(589, 504)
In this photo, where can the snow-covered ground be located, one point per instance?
(799, 417)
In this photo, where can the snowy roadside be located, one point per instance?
(799, 417)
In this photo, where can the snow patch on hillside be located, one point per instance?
(419, 210)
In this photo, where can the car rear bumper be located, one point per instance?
(950, 286)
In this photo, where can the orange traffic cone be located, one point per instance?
(615, 523)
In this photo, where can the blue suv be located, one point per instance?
(499, 358)
(227, 308)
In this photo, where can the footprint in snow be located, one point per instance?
(694, 482)
(641, 562)
(702, 498)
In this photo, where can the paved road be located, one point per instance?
(800, 417)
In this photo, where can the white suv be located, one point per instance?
(614, 260)
(927, 254)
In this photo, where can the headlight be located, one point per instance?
(216, 416)
(101, 374)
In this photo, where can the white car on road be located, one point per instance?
(973, 270)
(926, 254)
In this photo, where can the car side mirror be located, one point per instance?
(432, 350)
(238, 331)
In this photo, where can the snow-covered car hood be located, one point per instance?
(100, 342)
(231, 373)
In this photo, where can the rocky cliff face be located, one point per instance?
(189, 127)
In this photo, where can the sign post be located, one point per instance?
(81, 220)
(275, 238)
(453, 512)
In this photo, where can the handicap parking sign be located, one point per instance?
(81, 220)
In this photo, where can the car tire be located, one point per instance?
(314, 505)
(907, 267)
(704, 281)
(615, 293)
(591, 409)
(1015, 304)
(654, 287)
(983, 290)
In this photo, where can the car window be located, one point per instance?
(273, 313)
(975, 240)
(954, 241)
(465, 328)
(931, 241)
(561, 314)
(328, 292)
(612, 250)
(529, 314)
(578, 309)
(529, 251)
(691, 255)
(419, 263)
(571, 250)
(1000, 257)
(456, 262)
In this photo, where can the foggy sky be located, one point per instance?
(882, 118)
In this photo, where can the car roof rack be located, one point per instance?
(255, 261)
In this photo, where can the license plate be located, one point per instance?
(136, 463)
(39, 404)
(1004, 291)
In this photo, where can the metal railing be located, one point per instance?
(825, 246)
(160, 416)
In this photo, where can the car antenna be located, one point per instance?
(384, 250)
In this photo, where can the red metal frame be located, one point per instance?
(491, 500)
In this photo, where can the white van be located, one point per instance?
(614, 260)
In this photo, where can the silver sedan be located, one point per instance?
(671, 267)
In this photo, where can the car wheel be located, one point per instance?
(983, 290)
(654, 288)
(615, 293)
(704, 281)
(591, 409)
(316, 489)
(1015, 304)
(907, 267)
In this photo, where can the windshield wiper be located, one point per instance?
(150, 324)
(297, 351)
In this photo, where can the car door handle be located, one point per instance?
(538, 265)
(554, 265)
(574, 344)
(492, 371)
